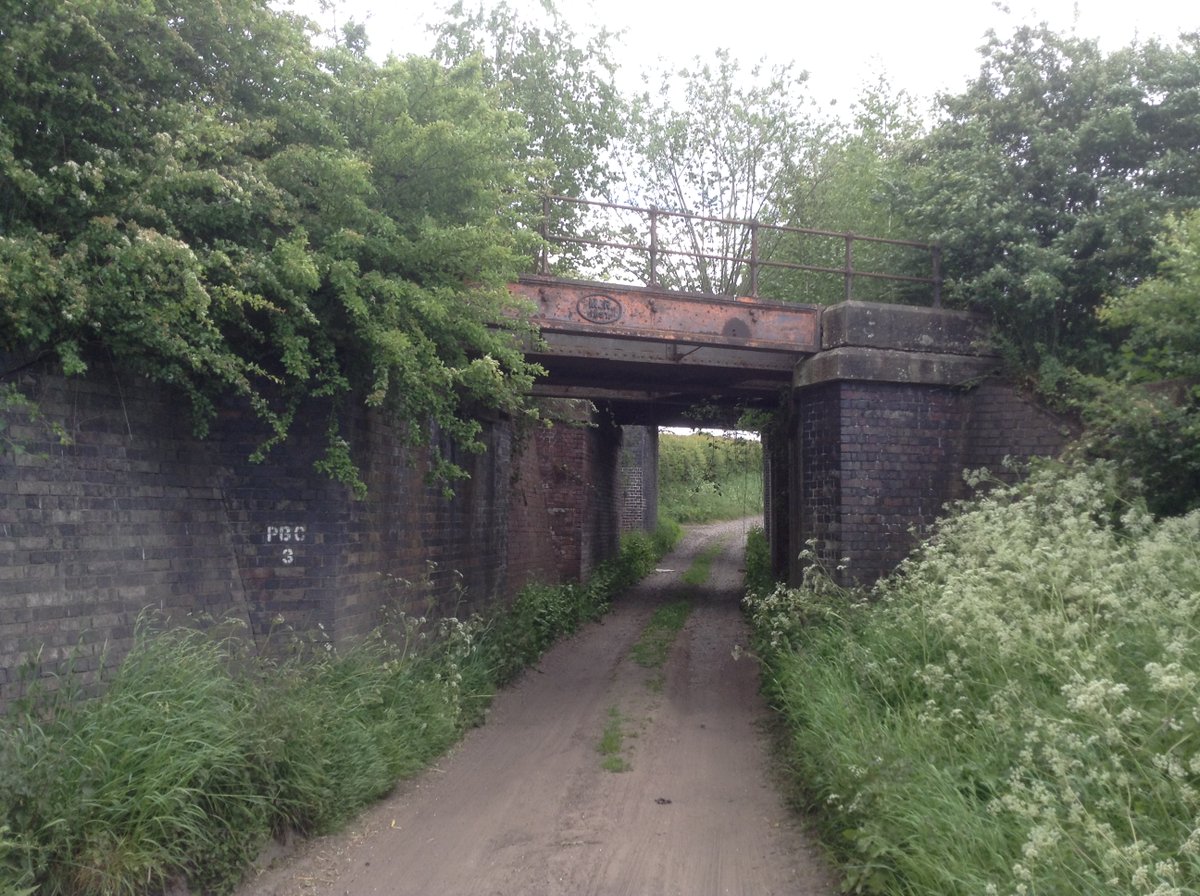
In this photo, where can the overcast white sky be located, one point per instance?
(922, 46)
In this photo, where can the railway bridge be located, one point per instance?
(879, 406)
(880, 398)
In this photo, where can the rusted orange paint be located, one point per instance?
(636, 312)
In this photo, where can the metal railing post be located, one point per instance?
(754, 259)
(654, 247)
(543, 259)
(936, 252)
(849, 266)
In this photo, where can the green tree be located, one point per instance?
(1160, 317)
(560, 85)
(719, 143)
(194, 190)
(858, 165)
(1046, 179)
(1146, 414)
(851, 188)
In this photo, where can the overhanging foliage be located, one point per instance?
(194, 190)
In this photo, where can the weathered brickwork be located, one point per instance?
(882, 460)
(547, 510)
(816, 499)
(93, 532)
(1006, 424)
(135, 513)
(876, 462)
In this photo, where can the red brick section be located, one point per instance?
(135, 513)
(549, 480)
(564, 509)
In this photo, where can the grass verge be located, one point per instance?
(1015, 710)
(701, 569)
(199, 751)
(611, 743)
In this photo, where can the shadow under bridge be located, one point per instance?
(656, 357)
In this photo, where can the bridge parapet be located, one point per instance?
(642, 346)
(653, 355)
(727, 256)
(903, 327)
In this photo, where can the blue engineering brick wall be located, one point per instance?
(876, 462)
(136, 514)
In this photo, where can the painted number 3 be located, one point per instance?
(286, 534)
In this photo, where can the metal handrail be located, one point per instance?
(654, 251)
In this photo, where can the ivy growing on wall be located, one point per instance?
(196, 190)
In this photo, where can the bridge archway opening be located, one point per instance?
(654, 359)
(878, 415)
(707, 475)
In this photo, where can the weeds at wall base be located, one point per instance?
(199, 752)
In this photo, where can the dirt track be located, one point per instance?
(522, 807)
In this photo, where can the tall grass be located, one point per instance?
(1015, 711)
(198, 751)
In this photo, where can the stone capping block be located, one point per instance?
(890, 366)
(904, 328)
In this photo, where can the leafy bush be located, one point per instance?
(1147, 416)
(760, 577)
(298, 228)
(1153, 433)
(1015, 710)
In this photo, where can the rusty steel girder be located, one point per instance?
(630, 312)
(651, 356)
